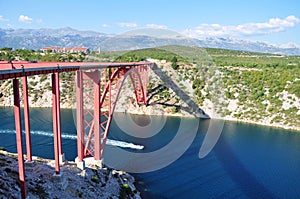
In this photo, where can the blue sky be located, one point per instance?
(265, 20)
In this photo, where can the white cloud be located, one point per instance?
(25, 19)
(127, 25)
(105, 26)
(3, 19)
(156, 26)
(271, 26)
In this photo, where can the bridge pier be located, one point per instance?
(94, 126)
(97, 131)
(55, 110)
(79, 119)
(17, 113)
(27, 119)
(61, 154)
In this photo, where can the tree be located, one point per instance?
(6, 49)
(174, 63)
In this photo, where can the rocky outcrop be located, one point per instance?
(93, 182)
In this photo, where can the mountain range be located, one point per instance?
(137, 39)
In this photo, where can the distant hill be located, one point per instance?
(39, 38)
(68, 37)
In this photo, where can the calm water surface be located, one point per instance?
(248, 161)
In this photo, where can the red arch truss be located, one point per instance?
(97, 93)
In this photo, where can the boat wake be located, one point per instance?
(74, 137)
(124, 144)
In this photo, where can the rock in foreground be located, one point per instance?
(41, 182)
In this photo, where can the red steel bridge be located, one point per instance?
(98, 86)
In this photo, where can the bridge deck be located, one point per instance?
(16, 69)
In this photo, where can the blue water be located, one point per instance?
(248, 161)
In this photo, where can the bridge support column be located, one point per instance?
(96, 79)
(27, 119)
(17, 114)
(61, 154)
(55, 123)
(79, 119)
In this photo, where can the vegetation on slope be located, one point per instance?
(263, 87)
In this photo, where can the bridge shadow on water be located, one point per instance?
(230, 162)
(243, 178)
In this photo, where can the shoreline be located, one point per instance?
(278, 126)
(246, 121)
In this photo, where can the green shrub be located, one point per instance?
(125, 191)
(95, 179)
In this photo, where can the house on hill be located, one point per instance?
(65, 50)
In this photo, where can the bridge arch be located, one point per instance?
(94, 115)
